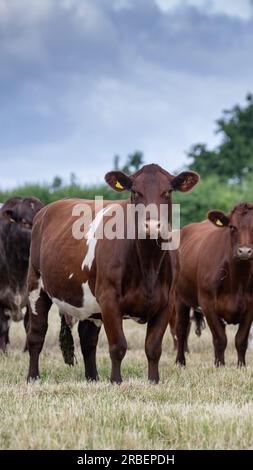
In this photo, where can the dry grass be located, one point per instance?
(194, 408)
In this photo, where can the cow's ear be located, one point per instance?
(218, 218)
(118, 181)
(9, 209)
(185, 181)
(8, 215)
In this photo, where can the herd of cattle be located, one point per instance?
(105, 280)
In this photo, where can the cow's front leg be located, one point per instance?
(112, 320)
(153, 344)
(241, 339)
(183, 328)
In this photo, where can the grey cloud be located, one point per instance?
(83, 79)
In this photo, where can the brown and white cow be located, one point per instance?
(105, 280)
(216, 273)
(16, 219)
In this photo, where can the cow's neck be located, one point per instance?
(17, 252)
(151, 258)
(240, 274)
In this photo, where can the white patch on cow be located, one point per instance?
(71, 275)
(34, 296)
(90, 305)
(91, 239)
(250, 339)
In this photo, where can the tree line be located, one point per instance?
(226, 171)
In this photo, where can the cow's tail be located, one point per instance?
(199, 321)
(67, 343)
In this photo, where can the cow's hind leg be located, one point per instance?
(88, 334)
(186, 345)
(218, 330)
(39, 305)
(173, 330)
(183, 324)
(4, 330)
(241, 339)
(67, 342)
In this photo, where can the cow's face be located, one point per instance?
(152, 187)
(240, 225)
(21, 211)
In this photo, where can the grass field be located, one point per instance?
(199, 407)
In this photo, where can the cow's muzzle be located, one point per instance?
(244, 253)
(152, 228)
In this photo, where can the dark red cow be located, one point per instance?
(216, 273)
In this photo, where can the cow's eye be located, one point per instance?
(232, 228)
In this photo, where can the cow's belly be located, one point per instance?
(140, 307)
(90, 305)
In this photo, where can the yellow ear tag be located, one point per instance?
(218, 222)
(118, 185)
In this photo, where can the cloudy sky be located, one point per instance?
(82, 80)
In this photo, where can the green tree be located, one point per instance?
(73, 179)
(57, 183)
(116, 160)
(233, 157)
(134, 161)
